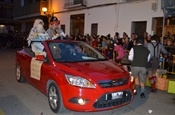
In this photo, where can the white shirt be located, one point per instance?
(131, 54)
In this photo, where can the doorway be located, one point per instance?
(77, 24)
(139, 27)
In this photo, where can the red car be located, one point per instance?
(75, 76)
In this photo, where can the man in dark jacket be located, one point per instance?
(139, 56)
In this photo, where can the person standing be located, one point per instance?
(104, 45)
(117, 38)
(155, 48)
(99, 44)
(110, 49)
(93, 41)
(54, 31)
(131, 41)
(120, 52)
(139, 56)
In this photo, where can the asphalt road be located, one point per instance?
(23, 99)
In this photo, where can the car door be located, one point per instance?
(39, 72)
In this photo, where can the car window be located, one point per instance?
(74, 52)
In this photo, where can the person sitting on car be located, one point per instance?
(54, 31)
(36, 36)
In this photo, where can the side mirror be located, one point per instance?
(40, 57)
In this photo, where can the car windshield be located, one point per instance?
(74, 52)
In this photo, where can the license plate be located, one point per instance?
(117, 95)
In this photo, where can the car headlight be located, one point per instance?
(132, 78)
(79, 81)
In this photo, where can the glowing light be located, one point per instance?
(81, 101)
(44, 9)
(2, 26)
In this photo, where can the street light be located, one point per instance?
(46, 12)
(44, 9)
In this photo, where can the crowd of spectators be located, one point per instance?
(103, 43)
(13, 40)
(107, 44)
(116, 47)
(113, 47)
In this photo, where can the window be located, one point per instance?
(63, 28)
(94, 28)
(78, 1)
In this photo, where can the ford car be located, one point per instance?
(75, 76)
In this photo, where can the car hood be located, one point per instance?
(99, 70)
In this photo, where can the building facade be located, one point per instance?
(26, 11)
(104, 17)
(100, 17)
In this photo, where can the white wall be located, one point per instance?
(104, 16)
(137, 11)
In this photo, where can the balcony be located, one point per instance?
(69, 4)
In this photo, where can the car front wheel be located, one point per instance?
(19, 77)
(55, 99)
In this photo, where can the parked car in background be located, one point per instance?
(75, 76)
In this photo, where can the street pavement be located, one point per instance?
(24, 99)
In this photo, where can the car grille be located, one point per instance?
(113, 83)
(106, 100)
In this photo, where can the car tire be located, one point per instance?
(55, 99)
(19, 77)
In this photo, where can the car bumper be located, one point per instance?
(78, 99)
